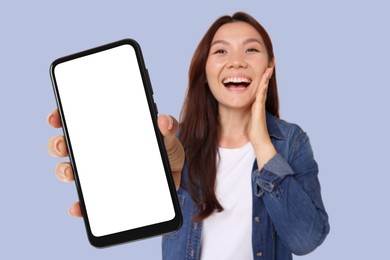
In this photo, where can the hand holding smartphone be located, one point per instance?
(118, 157)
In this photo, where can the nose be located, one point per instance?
(236, 61)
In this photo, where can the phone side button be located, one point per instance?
(149, 82)
(155, 108)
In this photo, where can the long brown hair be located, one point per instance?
(200, 125)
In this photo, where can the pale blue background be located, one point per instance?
(332, 66)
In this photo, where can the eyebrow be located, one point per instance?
(250, 40)
(220, 42)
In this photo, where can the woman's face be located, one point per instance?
(236, 62)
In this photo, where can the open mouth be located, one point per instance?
(236, 83)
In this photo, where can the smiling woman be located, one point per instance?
(249, 188)
(247, 181)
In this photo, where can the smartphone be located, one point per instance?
(121, 168)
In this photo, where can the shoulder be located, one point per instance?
(289, 138)
(281, 129)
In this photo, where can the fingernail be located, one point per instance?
(70, 211)
(58, 146)
(269, 74)
(64, 171)
(50, 118)
(170, 123)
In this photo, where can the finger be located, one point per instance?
(54, 119)
(168, 126)
(57, 146)
(262, 90)
(75, 210)
(176, 155)
(266, 76)
(64, 172)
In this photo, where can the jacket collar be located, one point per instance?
(273, 128)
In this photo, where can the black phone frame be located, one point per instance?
(141, 232)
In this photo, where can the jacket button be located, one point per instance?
(257, 219)
(259, 253)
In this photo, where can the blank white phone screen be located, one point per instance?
(116, 153)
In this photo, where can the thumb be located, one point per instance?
(168, 126)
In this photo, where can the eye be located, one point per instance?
(220, 51)
(252, 50)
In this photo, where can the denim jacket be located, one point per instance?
(288, 215)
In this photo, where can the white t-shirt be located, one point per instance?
(228, 234)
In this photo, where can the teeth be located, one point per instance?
(237, 80)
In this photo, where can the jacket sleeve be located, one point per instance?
(292, 196)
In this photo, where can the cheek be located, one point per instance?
(213, 68)
(259, 74)
(210, 72)
(215, 90)
(261, 69)
(260, 65)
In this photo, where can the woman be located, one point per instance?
(249, 186)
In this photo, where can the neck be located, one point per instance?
(234, 123)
